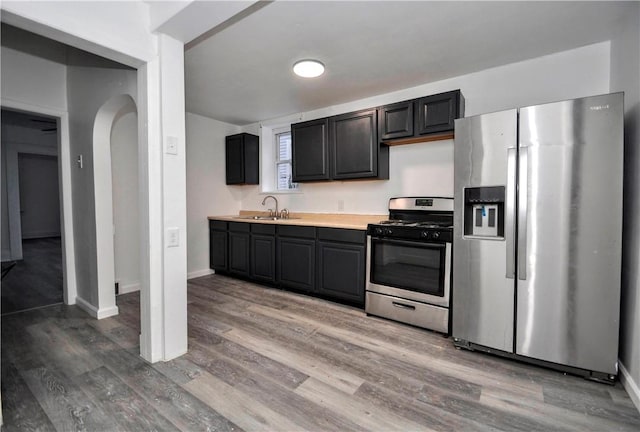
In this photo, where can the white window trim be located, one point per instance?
(268, 173)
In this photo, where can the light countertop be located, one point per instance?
(329, 220)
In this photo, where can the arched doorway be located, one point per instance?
(107, 116)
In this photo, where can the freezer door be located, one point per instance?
(570, 221)
(482, 293)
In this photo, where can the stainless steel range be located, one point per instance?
(409, 262)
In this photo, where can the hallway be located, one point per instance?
(36, 280)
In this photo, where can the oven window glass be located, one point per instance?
(412, 266)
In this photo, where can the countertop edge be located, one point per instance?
(321, 220)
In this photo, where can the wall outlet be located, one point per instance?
(173, 237)
(171, 146)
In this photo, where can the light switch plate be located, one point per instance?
(171, 145)
(173, 237)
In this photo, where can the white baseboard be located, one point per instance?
(95, 312)
(6, 255)
(630, 385)
(129, 288)
(199, 273)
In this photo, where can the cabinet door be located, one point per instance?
(234, 157)
(354, 145)
(296, 263)
(239, 253)
(437, 113)
(263, 257)
(341, 271)
(218, 250)
(310, 150)
(396, 120)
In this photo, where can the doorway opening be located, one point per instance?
(32, 248)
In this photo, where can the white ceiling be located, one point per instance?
(242, 73)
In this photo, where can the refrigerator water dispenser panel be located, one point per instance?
(484, 212)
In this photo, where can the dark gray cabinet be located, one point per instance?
(355, 151)
(242, 159)
(310, 150)
(436, 113)
(296, 257)
(263, 253)
(218, 245)
(341, 264)
(339, 148)
(418, 118)
(239, 248)
(396, 120)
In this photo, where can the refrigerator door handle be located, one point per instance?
(510, 212)
(523, 198)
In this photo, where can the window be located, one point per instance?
(283, 161)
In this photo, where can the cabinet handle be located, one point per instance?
(403, 306)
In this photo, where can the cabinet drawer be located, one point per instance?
(297, 231)
(341, 235)
(239, 226)
(265, 229)
(217, 225)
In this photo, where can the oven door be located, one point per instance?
(413, 270)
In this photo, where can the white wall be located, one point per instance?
(207, 193)
(427, 168)
(88, 89)
(625, 76)
(33, 80)
(124, 169)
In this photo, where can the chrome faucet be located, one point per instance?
(275, 199)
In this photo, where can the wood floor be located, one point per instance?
(263, 359)
(36, 280)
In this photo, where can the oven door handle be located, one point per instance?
(424, 244)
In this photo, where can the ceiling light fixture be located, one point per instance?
(308, 68)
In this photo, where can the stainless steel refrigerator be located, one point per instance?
(538, 234)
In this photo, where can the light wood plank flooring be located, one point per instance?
(264, 359)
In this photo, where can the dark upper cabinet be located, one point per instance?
(339, 148)
(341, 264)
(242, 159)
(218, 245)
(419, 117)
(354, 146)
(396, 120)
(310, 150)
(436, 113)
(239, 248)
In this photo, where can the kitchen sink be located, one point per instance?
(274, 218)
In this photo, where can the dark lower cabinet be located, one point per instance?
(329, 262)
(296, 257)
(239, 249)
(218, 245)
(341, 264)
(263, 253)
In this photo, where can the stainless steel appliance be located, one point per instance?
(538, 234)
(409, 262)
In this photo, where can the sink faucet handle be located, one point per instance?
(271, 212)
(284, 214)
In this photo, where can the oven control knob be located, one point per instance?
(435, 235)
(388, 231)
(424, 234)
(378, 231)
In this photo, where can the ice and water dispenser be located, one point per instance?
(484, 212)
